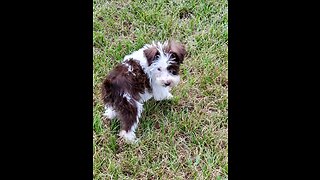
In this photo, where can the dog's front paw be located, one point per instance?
(170, 96)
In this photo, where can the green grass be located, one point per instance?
(186, 138)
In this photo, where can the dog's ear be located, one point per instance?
(178, 51)
(151, 54)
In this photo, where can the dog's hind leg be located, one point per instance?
(129, 117)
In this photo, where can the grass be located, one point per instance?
(187, 137)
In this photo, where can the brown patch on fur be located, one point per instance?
(177, 51)
(121, 81)
(174, 69)
(150, 54)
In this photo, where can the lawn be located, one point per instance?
(186, 137)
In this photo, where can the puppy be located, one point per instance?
(149, 72)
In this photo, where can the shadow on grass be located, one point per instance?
(151, 120)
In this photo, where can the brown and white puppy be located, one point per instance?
(149, 72)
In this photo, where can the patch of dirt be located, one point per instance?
(185, 13)
(157, 125)
(100, 18)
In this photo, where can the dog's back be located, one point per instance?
(126, 78)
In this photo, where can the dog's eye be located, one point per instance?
(159, 69)
(156, 57)
(173, 72)
(173, 56)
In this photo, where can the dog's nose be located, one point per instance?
(167, 84)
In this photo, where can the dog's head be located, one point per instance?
(164, 62)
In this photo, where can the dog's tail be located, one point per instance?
(106, 91)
